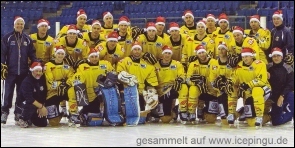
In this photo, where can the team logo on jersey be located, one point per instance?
(77, 50)
(226, 36)
(25, 43)
(47, 44)
(41, 88)
(103, 66)
(173, 67)
(66, 67)
(142, 65)
(214, 67)
(228, 66)
(257, 35)
(203, 43)
(12, 43)
(158, 44)
(128, 41)
(100, 48)
(250, 41)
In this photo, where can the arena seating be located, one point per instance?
(139, 13)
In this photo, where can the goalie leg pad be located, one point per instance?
(127, 78)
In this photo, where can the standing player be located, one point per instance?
(160, 25)
(211, 24)
(189, 27)
(94, 37)
(43, 42)
(125, 37)
(109, 25)
(16, 48)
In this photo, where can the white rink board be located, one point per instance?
(151, 134)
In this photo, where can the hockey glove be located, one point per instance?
(177, 83)
(229, 86)
(150, 58)
(202, 86)
(77, 63)
(69, 60)
(4, 71)
(192, 58)
(136, 31)
(62, 89)
(244, 86)
(289, 59)
(233, 60)
(196, 78)
(219, 82)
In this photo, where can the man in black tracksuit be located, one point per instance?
(16, 48)
(281, 79)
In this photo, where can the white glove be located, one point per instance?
(127, 78)
(151, 99)
(240, 104)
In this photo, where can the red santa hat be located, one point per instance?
(43, 22)
(58, 49)
(200, 48)
(165, 49)
(93, 52)
(80, 13)
(113, 36)
(160, 20)
(223, 17)
(278, 13)
(35, 66)
(255, 18)
(72, 29)
(238, 29)
(202, 22)
(186, 13)
(222, 45)
(276, 51)
(124, 20)
(18, 18)
(173, 26)
(210, 16)
(106, 14)
(95, 22)
(136, 44)
(247, 51)
(150, 26)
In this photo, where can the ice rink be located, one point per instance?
(150, 134)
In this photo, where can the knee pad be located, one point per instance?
(94, 119)
(210, 102)
(52, 111)
(223, 105)
(249, 110)
(166, 119)
(210, 118)
(251, 121)
(54, 121)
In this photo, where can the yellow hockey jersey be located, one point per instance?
(92, 43)
(207, 42)
(113, 56)
(191, 31)
(154, 47)
(44, 47)
(106, 31)
(126, 43)
(218, 37)
(262, 37)
(64, 29)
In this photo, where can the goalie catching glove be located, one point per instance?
(151, 99)
(4, 71)
(150, 58)
(108, 81)
(127, 78)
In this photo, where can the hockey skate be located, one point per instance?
(4, 116)
(258, 122)
(231, 120)
(175, 114)
(218, 121)
(64, 112)
(74, 120)
(200, 115)
(22, 123)
(183, 117)
(192, 118)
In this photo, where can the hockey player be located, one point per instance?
(224, 34)
(16, 49)
(145, 74)
(94, 37)
(125, 37)
(150, 42)
(110, 50)
(32, 98)
(58, 80)
(87, 73)
(179, 44)
(160, 25)
(251, 77)
(81, 25)
(240, 41)
(108, 26)
(281, 37)
(201, 92)
(217, 77)
(171, 78)
(281, 79)
(43, 42)
(202, 39)
(211, 24)
(189, 27)
(76, 49)
(261, 35)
